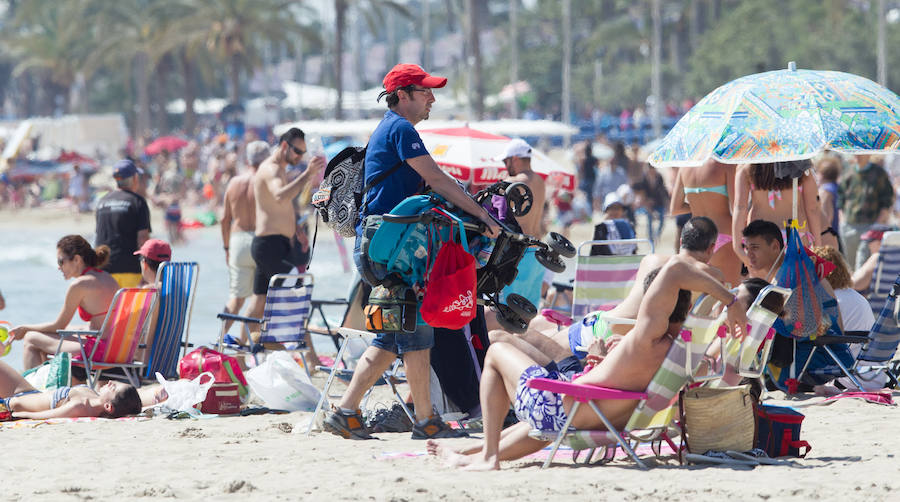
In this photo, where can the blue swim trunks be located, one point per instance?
(528, 280)
(541, 409)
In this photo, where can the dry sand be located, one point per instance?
(260, 458)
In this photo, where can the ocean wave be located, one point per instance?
(36, 254)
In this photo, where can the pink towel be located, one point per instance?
(879, 397)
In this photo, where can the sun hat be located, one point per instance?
(405, 74)
(123, 169)
(156, 250)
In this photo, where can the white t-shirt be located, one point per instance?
(855, 310)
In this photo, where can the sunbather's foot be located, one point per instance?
(451, 457)
(435, 428)
(348, 426)
(483, 464)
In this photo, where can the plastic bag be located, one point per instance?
(282, 384)
(184, 394)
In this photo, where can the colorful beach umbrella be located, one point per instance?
(784, 115)
(472, 156)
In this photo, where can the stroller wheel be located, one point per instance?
(550, 260)
(521, 306)
(509, 320)
(561, 245)
(519, 198)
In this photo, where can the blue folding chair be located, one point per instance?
(285, 317)
(879, 347)
(178, 283)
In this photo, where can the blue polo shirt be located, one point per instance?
(394, 140)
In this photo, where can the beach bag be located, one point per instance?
(391, 310)
(224, 368)
(449, 300)
(340, 195)
(282, 384)
(222, 399)
(718, 419)
(779, 431)
(52, 374)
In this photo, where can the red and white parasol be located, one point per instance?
(472, 156)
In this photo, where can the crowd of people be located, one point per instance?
(730, 235)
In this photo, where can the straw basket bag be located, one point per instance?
(719, 419)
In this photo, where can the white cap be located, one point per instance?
(610, 199)
(516, 148)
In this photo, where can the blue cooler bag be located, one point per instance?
(778, 431)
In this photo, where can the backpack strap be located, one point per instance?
(378, 179)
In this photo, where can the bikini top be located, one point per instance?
(60, 394)
(719, 189)
(84, 314)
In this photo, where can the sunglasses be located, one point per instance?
(60, 261)
(297, 150)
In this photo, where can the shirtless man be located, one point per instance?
(517, 160)
(275, 219)
(238, 227)
(698, 240)
(630, 367)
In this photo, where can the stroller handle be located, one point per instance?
(429, 217)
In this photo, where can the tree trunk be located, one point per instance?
(142, 122)
(474, 56)
(235, 76)
(514, 55)
(340, 20)
(189, 94)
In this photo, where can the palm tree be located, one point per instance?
(374, 15)
(236, 30)
(45, 42)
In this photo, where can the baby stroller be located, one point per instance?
(409, 237)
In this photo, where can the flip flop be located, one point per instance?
(757, 456)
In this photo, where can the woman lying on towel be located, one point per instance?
(629, 367)
(90, 294)
(113, 400)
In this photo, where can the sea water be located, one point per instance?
(34, 287)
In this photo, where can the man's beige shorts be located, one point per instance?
(241, 266)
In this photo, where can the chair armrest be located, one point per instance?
(583, 393)
(233, 317)
(335, 301)
(563, 286)
(557, 317)
(74, 332)
(834, 339)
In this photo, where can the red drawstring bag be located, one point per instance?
(449, 300)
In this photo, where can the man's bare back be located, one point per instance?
(531, 223)
(241, 202)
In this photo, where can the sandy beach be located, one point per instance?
(263, 458)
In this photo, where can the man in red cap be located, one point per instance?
(397, 157)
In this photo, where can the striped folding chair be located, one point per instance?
(878, 347)
(178, 283)
(604, 279)
(113, 345)
(285, 317)
(887, 268)
(653, 419)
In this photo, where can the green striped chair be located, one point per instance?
(653, 419)
(603, 279)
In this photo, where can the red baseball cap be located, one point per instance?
(406, 74)
(156, 250)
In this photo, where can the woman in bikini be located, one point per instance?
(113, 400)
(90, 294)
(765, 192)
(708, 191)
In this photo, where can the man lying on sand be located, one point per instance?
(630, 366)
(113, 400)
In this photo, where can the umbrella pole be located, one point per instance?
(794, 203)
